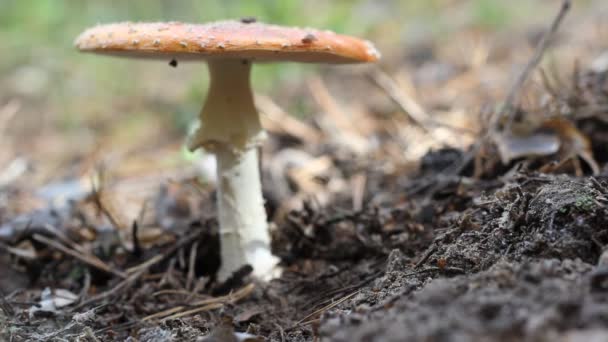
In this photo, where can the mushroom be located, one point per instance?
(229, 122)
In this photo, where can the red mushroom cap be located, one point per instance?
(226, 39)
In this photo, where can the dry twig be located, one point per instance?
(274, 118)
(202, 305)
(307, 319)
(5, 305)
(86, 258)
(508, 107)
(409, 105)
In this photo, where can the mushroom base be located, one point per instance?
(243, 228)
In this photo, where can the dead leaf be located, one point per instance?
(552, 136)
(52, 300)
(512, 146)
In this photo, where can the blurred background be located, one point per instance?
(64, 116)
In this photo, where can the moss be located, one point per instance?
(584, 203)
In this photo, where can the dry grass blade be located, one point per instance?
(5, 305)
(195, 311)
(358, 182)
(86, 258)
(163, 313)
(64, 238)
(134, 274)
(230, 298)
(276, 119)
(19, 252)
(119, 288)
(306, 176)
(192, 265)
(145, 265)
(514, 93)
(7, 113)
(412, 108)
(307, 318)
(406, 102)
(329, 105)
(203, 305)
(512, 96)
(337, 124)
(179, 292)
(105, 203)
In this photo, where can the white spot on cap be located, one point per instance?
(221, 46)
(371, 49)
(156, 42)
(183, 44)
(135, 42)
(285, 45)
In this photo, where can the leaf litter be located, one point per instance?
(379, 239)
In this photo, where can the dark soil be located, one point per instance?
(518, 258)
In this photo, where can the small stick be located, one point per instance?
(281, 331)
(203, 305)
(145, 265)
(86, 284)
(137, 250)
(457, 167)
(304, 321)
(64, 238)
(191, 265)
(88, 332)
(426, 256)
(409, 105)
(514, 92)
(5, 305)
(101, 201)
(194, 311)
(179, 292)
(326, 101)
(22, 253)
(358, 182)
(276, 119)
(7, 113)
(87, 259)
(122, 286)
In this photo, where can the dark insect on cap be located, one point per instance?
(248, 20)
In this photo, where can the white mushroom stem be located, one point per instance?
(230, 128)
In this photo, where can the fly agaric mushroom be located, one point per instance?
(229, 122)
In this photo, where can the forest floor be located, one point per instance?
(498, 232)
